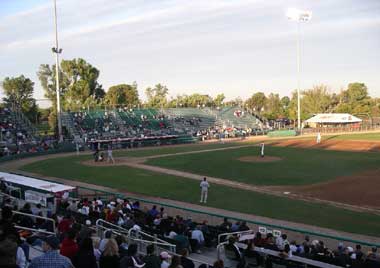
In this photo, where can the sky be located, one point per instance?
(235, 47)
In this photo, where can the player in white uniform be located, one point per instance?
(204, 190)
(318, 137)
(262, 154)
(109, 155)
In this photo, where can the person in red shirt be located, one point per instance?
(69, 246)
(65, 224)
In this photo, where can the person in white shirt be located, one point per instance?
(109, 154)
(318, 137)
(198, 235)
(204, 185)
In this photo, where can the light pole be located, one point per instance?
(56, 50)
(298, 16)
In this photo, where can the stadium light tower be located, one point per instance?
(56, 50)
(298, 16)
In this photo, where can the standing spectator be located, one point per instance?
(65, 224)
(197, 235)
(151, 260)
(69, 247)
(110, 255)
(85, 257)
(51, 258)
(204, 185)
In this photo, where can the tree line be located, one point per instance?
(80, 89)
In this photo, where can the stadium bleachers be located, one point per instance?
(169, 121)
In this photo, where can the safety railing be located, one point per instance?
(102, 225)
(34, 230)
(15, 212)
(145, 239)
(223, 237)
(268, 252)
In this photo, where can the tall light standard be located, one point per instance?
(57, 51)
(298, 16)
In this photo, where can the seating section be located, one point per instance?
(153, 122)
(128, 223)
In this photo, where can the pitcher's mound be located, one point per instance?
(259, 159)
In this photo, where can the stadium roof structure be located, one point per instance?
(35, 183)
(333, 118)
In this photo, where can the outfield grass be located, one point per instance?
(359, 136)
(176, 149)
(154, 184)
(298, 167)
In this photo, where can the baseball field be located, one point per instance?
(333, 185)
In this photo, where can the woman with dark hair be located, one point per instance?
(132, 259)
(85, 257)
(176, 262)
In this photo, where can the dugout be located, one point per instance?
(36, 191)
(333, 120)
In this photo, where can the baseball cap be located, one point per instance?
(52, 241)
(88, 222)
(165, 255)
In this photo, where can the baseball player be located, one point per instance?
(262, 154)
(109, 154)
(318, 137)
(204, 190)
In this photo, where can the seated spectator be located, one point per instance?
(95, 244)
(239, 256)
(132, 259)
(243, 227)
(151, 260)
(104, 241)
(123, 246)
(85, 257)
(218, 264)
(110, 255)
(51, 258)
(226, 225)
(186, 263)
(286, 253)
(165, 259)
(176, 262)
(281, 241)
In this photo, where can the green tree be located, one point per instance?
(285, 102)
(316, 100)
(257, 102)
(157, 96)
(78, 85)
(18, 93)
(122, 94)
(355, 99)
(273, 108)
(218, 100)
